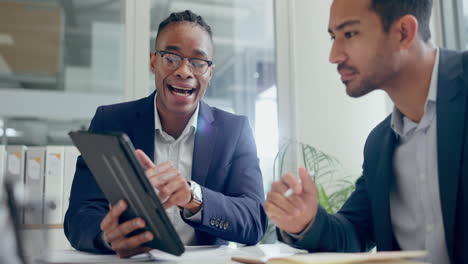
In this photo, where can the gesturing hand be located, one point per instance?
(172, 186)
(292, 213)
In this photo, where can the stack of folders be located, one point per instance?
(47, 173)
(394, 257)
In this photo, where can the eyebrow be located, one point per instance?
(172, 48)
(198, 52)
(345, 24)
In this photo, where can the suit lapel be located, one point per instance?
(205, 139)
(381, 191)
(451, 102)
(143, 128)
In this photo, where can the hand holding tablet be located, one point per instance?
(120, 175)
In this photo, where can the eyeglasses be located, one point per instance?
(173, 61)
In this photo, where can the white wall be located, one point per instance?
(313, 104)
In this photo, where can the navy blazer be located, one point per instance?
(364, 220)
(225, 164)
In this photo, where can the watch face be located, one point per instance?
(196, 191)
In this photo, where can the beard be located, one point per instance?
(374, 78)
(363, 88)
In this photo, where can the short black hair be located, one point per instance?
(392, 10)
(184, 16)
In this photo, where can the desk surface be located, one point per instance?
(208, 255)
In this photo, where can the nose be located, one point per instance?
(184, 71)
(337, 54)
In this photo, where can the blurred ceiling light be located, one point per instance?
(11, 132)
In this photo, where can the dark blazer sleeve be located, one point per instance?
(346, 231)
(88, 205)
(349, 230)
(236, 212)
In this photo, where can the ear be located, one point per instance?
(153, 62)
(407, 28)
(211, 70)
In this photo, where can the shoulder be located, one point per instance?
(376, 136)
(231, 128)
(223, 118)
(121, 116)
(453, 64)
(122, 109)
(228, 118)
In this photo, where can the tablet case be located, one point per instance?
(120, 175)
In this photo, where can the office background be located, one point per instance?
(60, 59)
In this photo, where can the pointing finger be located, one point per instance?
(145, 160)
(307, 182)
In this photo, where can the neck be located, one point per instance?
(410, 88)
(172, 124)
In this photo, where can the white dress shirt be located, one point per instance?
(180, 153)
(415, 208)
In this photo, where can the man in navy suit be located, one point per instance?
(201, 160)
(413, 194)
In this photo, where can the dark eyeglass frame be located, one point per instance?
(164, 52)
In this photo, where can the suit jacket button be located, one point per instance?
(226, 225)
(217, 223)
(221, 223)
(212, 221)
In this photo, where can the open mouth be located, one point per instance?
(181, 91)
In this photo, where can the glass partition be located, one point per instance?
(454, 21)
(59, 60)
(244, 80)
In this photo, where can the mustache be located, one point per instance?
(346, 67)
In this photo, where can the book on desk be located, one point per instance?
(394, 257)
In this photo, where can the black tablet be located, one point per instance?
(120, 175)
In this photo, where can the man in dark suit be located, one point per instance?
(204, 156)
(413, 194)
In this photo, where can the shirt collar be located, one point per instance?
(401, 125)
(192, 123)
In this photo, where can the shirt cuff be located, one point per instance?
(291, 238)
(195, 218)
(103, 243)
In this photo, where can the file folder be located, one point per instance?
(71, 155)
(53, 190)
(34, 185)
(14, 170)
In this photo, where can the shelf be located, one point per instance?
(41, 226)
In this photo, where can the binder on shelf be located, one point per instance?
(53, 185)
(2, 163)
(34, 185)
(15, 159)
(14, 170)
(71, 155)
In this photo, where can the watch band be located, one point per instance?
(196, 200)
